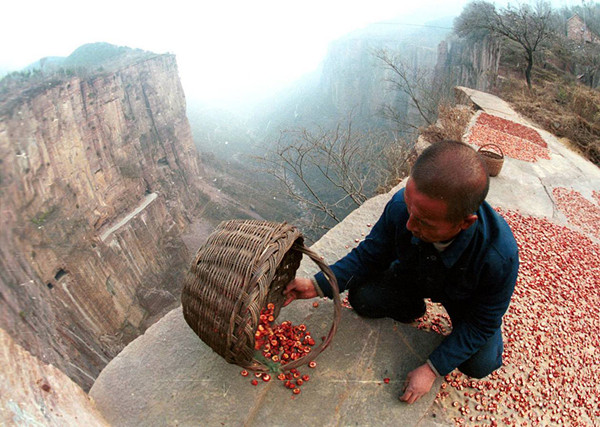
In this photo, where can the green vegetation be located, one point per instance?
(42, 217)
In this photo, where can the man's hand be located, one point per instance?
(299, 288)
(420, 381)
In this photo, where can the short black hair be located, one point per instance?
(454, 172)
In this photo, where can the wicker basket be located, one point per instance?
(493, 160)
(244, 265)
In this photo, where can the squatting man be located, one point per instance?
(437, 238)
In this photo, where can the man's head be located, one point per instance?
(447, 184)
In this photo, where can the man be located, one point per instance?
(437, 238)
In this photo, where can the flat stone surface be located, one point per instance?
(173, 378)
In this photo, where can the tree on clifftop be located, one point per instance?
(526, 25)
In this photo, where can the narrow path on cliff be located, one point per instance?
(147, 200)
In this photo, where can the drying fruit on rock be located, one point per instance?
(516, 141)
(281, 344)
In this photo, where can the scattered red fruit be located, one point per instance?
(315, 304)
(305, 377)
(312, 364)
(254, 382)
(244, 373)
(386, 380)
(296, 390)
(281, 344)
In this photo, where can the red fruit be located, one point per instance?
(315, 304)
(312, 364)
(305, 377)
(254, 382)
(258, 374)
(266, 377)
(299, 382)
(296, 390)
(244, 373)
(281, 377)
(386, 380)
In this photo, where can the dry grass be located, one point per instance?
(566, 109)
(451, 125)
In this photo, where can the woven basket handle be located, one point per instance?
(337, 309)
(492, 145)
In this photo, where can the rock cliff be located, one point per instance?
(471, 63)
(98, 178)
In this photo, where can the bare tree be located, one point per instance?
(525, 25)
(424, 91)
(331, 172)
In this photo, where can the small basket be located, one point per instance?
(244, 265)
(493, 160)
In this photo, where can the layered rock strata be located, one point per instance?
(98, 178)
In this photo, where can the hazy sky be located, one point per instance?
(224, 47)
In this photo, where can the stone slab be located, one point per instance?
(170, 377)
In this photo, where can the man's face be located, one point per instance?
(427, 220)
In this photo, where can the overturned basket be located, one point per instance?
(493, 160)
(244, 265)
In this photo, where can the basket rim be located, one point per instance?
(486, 152)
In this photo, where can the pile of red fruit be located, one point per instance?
(511, 128)
(515, 140)
(578, 210)
(282, 344)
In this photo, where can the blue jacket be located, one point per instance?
(474, 278)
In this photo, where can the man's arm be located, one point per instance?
(483, 319)
(375, 253)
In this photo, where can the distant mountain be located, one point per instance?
(92, 56)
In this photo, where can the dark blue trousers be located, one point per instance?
(397, 295)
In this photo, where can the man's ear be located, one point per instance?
(468, 221)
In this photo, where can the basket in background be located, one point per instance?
(493, 160)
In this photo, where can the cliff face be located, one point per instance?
(471, 63)
(98, 178)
